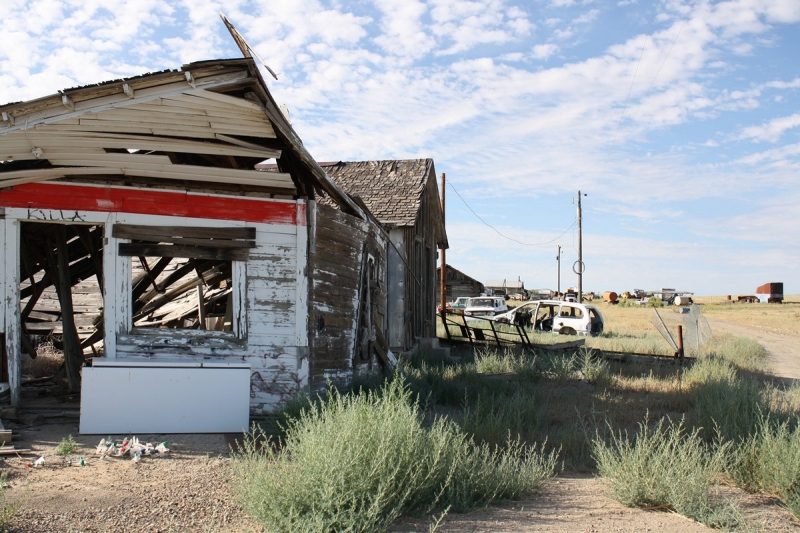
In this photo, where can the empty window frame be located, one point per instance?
(185, 277)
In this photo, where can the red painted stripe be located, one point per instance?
(151, 202)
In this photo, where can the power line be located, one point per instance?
(506, 236)
(630, 89)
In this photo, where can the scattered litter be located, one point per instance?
(39, 461)
(129, 447)
(81, 462)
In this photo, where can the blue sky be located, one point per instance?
(680, 120)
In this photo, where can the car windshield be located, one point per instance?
(482, 302)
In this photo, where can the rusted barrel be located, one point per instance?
(610, 296)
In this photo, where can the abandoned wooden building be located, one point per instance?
(458, 284)
(404, 197)
(138, 236)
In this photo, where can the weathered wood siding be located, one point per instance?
(339, 248)
(270, 291)
(459, 284)
(420, 279)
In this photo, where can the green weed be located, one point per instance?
(595, 369)
(67, 446)
(667, 468)
(770, 460)
(355, 463)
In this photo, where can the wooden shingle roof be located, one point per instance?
(392, 190)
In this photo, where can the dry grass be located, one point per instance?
(47, 363)
(779, 318)
(571, 407)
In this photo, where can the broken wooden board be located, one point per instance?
(561, 345)
(6, 450)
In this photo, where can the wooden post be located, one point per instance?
(443, 267)
(443, 314)
(73, 355)
(680, 344)
(494, 331)
(201, 307)
(466, 326)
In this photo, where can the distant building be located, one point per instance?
(459, 284)
(505, 288)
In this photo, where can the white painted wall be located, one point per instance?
(272, 328)
(10, 304)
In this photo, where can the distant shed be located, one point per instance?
(505, 288)
(771, 292)
(459, 284)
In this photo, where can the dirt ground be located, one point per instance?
(187, 490)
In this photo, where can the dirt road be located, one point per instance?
(783, 350)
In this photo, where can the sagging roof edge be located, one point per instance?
(280, 123)
(270, 107)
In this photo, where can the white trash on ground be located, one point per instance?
(130, 447)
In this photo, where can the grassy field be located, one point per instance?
(662, 435)
(784, 318)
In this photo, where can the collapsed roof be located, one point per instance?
(204, 126)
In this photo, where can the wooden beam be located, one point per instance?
(177, 250)
(73, 355)
(201, 307)
(18, 147)
(68, 103)
(159, 233)
(214, 276)
(92, 240)
(150, 274)
(170, 172)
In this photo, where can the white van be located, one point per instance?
(483, 306)
(564, 318)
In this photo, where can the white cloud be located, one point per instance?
(405, 32)
(544, 51)
(772, 130)
(467, 24)
(773, 157)
(585, 18)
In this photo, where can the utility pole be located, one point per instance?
(579, 264)
(443, 269)
(558, 258)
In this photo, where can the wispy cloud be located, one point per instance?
(773, 130)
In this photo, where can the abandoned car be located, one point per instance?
(456, 306)
(485, 306)
(564, 318)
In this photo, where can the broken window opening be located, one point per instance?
(182, 293)
(60, 297)
(185, 277)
